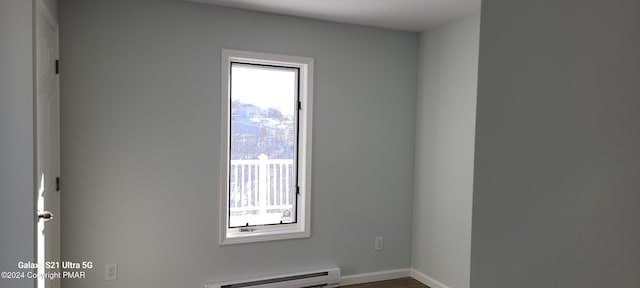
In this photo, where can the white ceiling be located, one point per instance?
(408, 15)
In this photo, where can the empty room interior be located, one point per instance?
(459, 143)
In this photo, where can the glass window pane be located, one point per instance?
(262, 145)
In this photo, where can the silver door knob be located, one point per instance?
(46, 216)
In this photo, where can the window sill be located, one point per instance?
(263, 234)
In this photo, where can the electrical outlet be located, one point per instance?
(378, 243)
(111, 272)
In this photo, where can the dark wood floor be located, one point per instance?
(396, 283)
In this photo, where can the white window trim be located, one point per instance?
(301, 229)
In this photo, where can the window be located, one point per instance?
(266, 147)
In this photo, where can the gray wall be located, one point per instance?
(17, 213)
(557, 183)
(140, 142)
(443, 176)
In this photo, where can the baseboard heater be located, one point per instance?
(327, 278)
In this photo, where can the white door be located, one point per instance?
(48, 146)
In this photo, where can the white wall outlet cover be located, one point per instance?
(378, 243)
(111, 272)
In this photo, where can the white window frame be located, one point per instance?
(300, 229)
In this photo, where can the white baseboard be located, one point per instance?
(375, 276)
(390, 275)
(426, 280)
